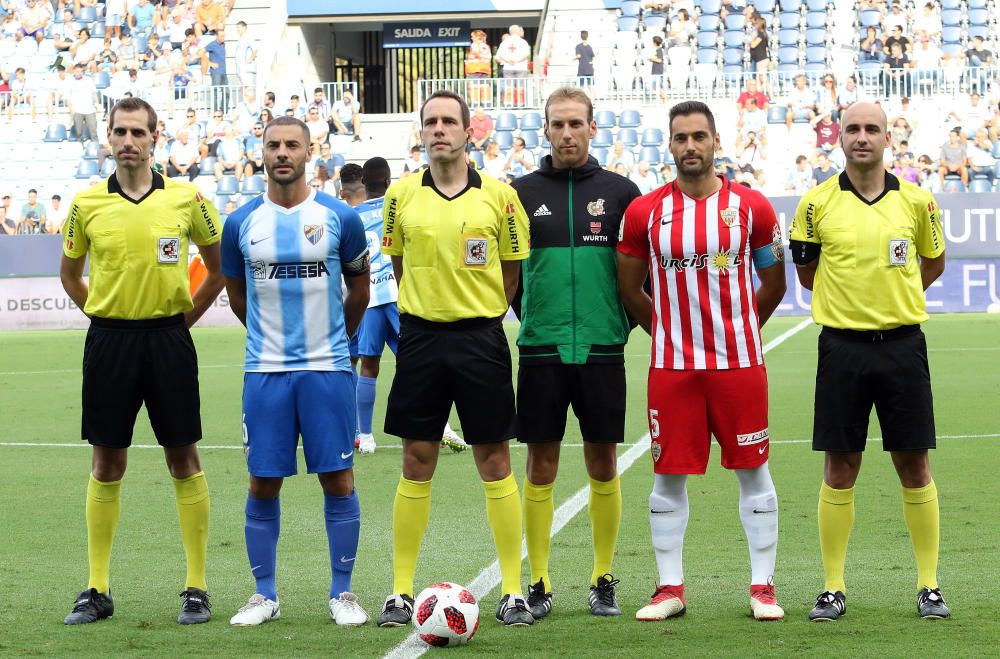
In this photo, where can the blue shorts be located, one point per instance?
(379, 328)
(352, 345)
(278, 407)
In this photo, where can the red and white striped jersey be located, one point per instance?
(700, 253)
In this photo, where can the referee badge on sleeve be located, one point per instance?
(898, 249)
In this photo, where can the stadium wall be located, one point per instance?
(31, 295)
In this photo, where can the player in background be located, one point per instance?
(352, 191)
(696, 238)
(456, 240)
(136, 226)
(572, 339)
(868, 244)
(283, 257)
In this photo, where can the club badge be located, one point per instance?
(313, 232)
(729, 216)
(596, 208)
(655, 449)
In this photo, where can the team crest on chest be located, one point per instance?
(596, 208)
(313, 232)
(729, 216)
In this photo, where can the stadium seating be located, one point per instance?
(207, 165)
(531, 141)
(605, 119)
(630, 119)
(227, 185)
(652, 137)
(504, 138)
(55, 133)
(628, 136)
(650, 154)
(87, 168)
(507, 121)
(531, 121)
(477, 158)
(252, 185)
(602, 138)
(709, 22)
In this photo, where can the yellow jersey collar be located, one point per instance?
(891, 183)
(475, 181)
(115, 188)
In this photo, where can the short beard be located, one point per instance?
(694, 172)
(298, 171)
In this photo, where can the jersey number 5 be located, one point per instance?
(654, 424)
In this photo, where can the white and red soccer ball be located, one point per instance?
(445, 615)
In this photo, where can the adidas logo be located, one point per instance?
(542, 210)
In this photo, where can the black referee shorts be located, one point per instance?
(437, 364)
(130, 362)
(596, 392)
(886, 369)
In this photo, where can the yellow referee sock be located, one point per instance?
(104, 505)
(538, 511)
(605, 518)
(411, 511)
(836, 518)
(503, 512)
(923, 519)
(193, 511)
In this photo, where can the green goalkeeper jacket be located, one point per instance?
(568, 299)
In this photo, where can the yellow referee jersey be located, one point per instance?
(139, 248)
(868, 277)
(452, 248)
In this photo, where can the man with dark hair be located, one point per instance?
(584, 56)
(352, 190)
(706, 373)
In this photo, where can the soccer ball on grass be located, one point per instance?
(445, 615)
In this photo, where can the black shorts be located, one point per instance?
(255, 168)
(466, 363)
(130, 362)
(888, 370)
(596, 392)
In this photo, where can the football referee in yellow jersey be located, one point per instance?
(868, 245)
(135, 227)
(456, 240)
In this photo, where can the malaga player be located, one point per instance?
(572, 339)
(283, 257)
(456, 240)
(868, 244)
(696, 238)
(136, 227)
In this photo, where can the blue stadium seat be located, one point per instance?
(996, 169)
(792, 5)
(707, 39)
(777, 114)
(788, 55)
(655, 21)
(506, 121)
(227, 185)
(706, 56)
(628, 23)
(951, 4)
(207, 165)
(55, 133)
(650, 154)
(602, 138)
(668, 157)
(108, 168)
(102, 80)
(630, 7)
(141, 42)
(91, 151)
(979, 16)
(996, 149)
(764, 6)
(545, 144)
(736, 21)
(652, 137)
(708, 22)
(815, 37)
(477, 158)
(788, 37)
(871, 18)
(816, 19)
(98, 30)
(87, 168)
(530, 138)
(954, 185)
(869, 73)
(815, 54)
(734, 39)
(600, 154)
(629, 137)
(504, 138)
(252, 185)
(86, 15)
(816, 5)
(951, 17)
(977, 4)
(952, 49)
(605, 119)
(710, 6)
(951, 34)
(979, 31)
(630, 119)
(531, 121)
(789, 21)
(732, 56)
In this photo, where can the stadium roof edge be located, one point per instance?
(379, 19)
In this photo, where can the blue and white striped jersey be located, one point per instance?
(383, 282)
(292, 260)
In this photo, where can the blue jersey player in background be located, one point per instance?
(283, 256)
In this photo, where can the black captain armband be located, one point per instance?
(804, 253)
(358, 266)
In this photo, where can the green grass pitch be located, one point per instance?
(43, 564)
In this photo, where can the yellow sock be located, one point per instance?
(836, 517)
(923, 519)
(104, 505)
(538, 511)
(193, 511)
(503, 512)
(411, 511)
(605, 518)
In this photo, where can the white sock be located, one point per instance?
(668, 519)
(759, 514)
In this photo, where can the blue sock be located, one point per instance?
(263, 524)
(354, 377)
(366, 403)
(343, 525)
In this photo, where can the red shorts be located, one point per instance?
(687, 407)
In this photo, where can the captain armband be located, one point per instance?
(804, 253)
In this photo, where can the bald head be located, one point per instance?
(863, 136)
(866, 112)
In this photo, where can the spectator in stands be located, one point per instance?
(724, 165)
(992, 124)
(180, 81)
(974, 115)
(326, 159)
(266, 116)
(584, 56)
(128, 55)
(981, 160)
(905, 169)
(161, 153)
(656, 61)
(35, 17)
(954, 159)
(666, 174)
(416, 162)
(115, 15)
(929, 178)
(800, 177)
(177, 28)
(319, 130)
(977, 58)
(215, 130)
(826, 96)
(11, 25)
(141, 17)
(681, 30)
(520, 161)
(514, 53)
(928, 22)
(494, 161)
(184, 157)
(320, 104)
(753, 92)
(750, 153)
(482, 129)
(33, 216)
(82, 103)
(229, 156)
(195, 130)
(210, 17)
(20, 93)
(925, 61)
(827, 132)
(213, 62)
(85, 50)
(254, 151)
(246, 57)
(752, 120)
(57, 215)
(896, 36)
(757, 43)
(479, 65)
(64, 34)
(620, 156)
(871, 48)
(620, 170)
(824, 169)
(900, 130)
(107, 58)
(148, 57)
(896, 71)
(847, 94)
(801, 101)
(326, 182)
(346, 116)
(295, 108)
(8, 225)
(896, 18)
(247, 111)
(645, 178)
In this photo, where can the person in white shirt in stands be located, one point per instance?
(416, 162)
(81, 101)
(57, 215)
(520, 161)
(184, 157)
(645, 178)
(514, 53)
(229, 155)
(927, 21)
(493, 161)
(980, 154)
(620, 156)
(973, 115)
(801, 101)
(752, 120)
(319, 130)
(246, 57)
(926, 61)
